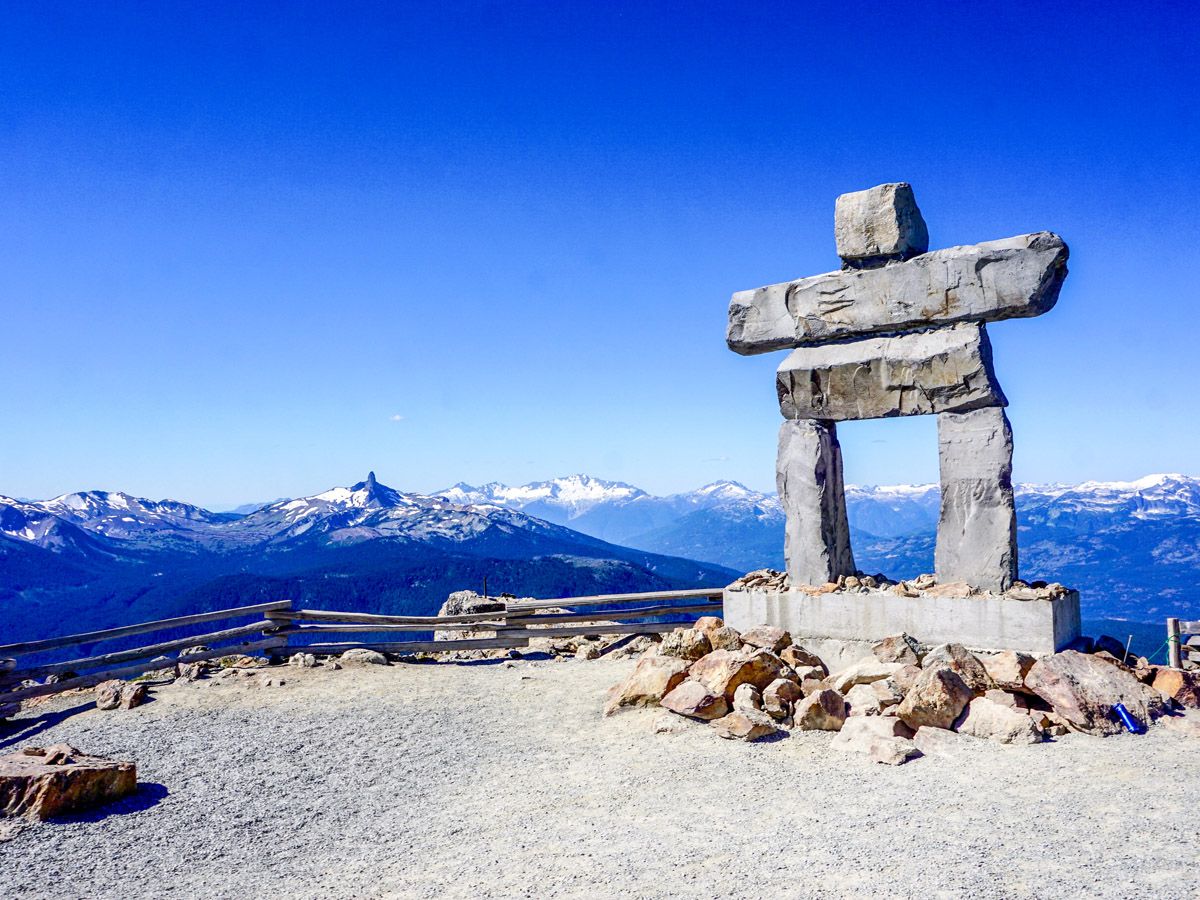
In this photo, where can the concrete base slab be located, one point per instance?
(982, 622)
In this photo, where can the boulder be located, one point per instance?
(1083, 690)
(747, 696)
(780, 698)
(878, 225)
(1182, 687)
(1007, 669)
(885, 739)
(813, 683)
(863, 701)
(888, 692)
(899, 648)
(117, 694)
(694, 700)
(723, 671)
(964, 663)
(823, 710)
(8, 710)
(977, 524)
(651, 679)
(588, 650)
(1186, 725)
(364, 657)
(725, 638)
(42, 783)
(937, 699)
(912, 374)
(302, 661)
(746, 725)
(193, 671)
(685, 643)
(1013, 277)
(798, 658)
(942, 742)
(768, 637)
(863, 672)
(706, 624)
(808, 477)
(1004, 698)
(996, 721)
(905, 677)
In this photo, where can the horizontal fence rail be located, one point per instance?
(511, 625)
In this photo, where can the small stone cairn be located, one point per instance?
(899, 331)
(905, 700)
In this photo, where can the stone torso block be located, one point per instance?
(1012, 278)
(920, 373)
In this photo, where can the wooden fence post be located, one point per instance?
(277, 618)
(1173, 651)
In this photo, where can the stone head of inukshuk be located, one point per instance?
(899, 331)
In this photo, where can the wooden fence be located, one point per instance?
(280, 629)
(1176, 649)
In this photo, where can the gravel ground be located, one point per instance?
(489, 781)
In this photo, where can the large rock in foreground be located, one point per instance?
(1010, 278)
(1083, 690)
(724, 671)
(936, 700)
(651, 679)
(58, 780)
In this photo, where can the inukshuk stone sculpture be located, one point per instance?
(899, 332)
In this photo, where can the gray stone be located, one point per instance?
(809, 478)
(879, 224)
(1015, 277)
(914, 374)
(977, 528)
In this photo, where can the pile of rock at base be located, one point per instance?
(922, 586)
(41, 783)
(905, 700)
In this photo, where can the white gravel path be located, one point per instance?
(486, 781)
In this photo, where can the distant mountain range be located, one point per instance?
(96, 558)
(1133, 548)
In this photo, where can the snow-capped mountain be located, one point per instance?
(98, 559)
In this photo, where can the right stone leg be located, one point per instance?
(977, 529)
(808, 473)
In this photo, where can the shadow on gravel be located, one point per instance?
(148, 795)
(13, 731)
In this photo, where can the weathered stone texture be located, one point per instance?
(1083, 690)
(39, 783)
(879, 224)
(808, 475)
(1012, 278)
(977, 528)
(915, 374)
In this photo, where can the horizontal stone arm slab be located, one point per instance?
(1012, 278)
(918, 373)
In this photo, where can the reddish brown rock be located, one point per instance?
(723, 671)
(899, 648)
(725, 638)
(906, 677)
(986, 718)
(651, 679)
(781, 697)
(937, 699)
(768, 637)
(799, 658)
(706, 624)
(1182, 687)
(1083, 690)
(863, 701)
(964, 663)
(1008, 669)
(116, 694)
(685, 643)
(39, 783)
(1004, 698)
(747, 697)
(823, 710)
(694, 700)
(885, 739)
(746, 725)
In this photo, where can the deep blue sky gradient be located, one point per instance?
(240, 241)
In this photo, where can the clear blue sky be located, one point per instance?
(255, 251)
